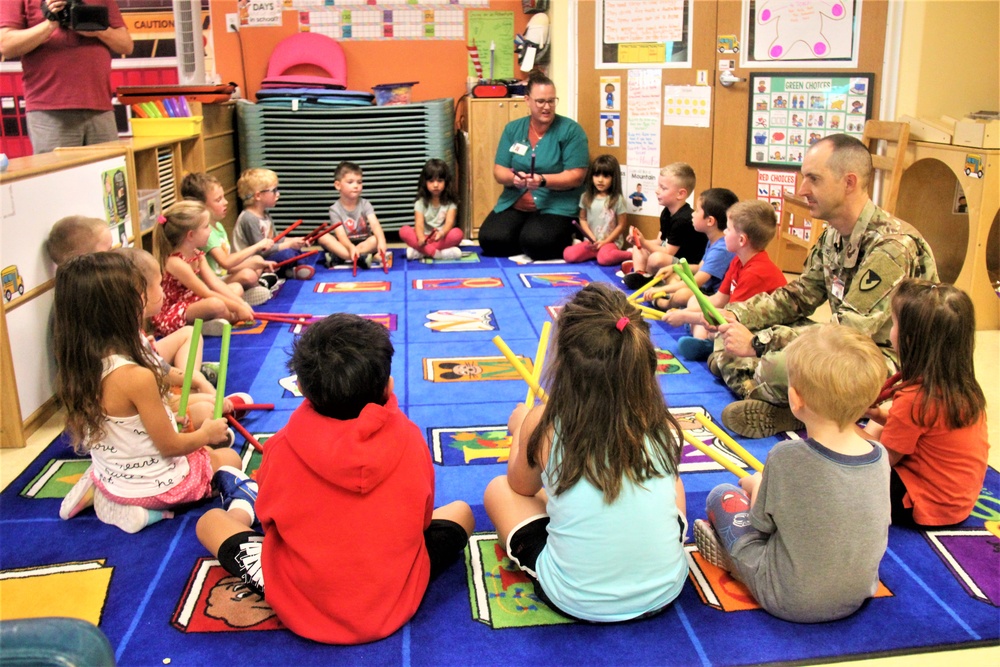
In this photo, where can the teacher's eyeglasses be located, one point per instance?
(547, 103)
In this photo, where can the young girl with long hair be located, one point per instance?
(191, 289)
(592, 506)
(433, 233)
(934, 426)
(602, 215)
(114, 395)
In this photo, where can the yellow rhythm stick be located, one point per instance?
(715, 455)
(635, 295)
(519, 367)
(651, 312)
(543, 343)
(728, 441)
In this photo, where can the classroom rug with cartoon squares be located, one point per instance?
(159, 596)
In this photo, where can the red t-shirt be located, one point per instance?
(943, 469)
(68, 71)
(759, 274)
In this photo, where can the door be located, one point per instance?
(677, 144)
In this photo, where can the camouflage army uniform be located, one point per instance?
(857, 275)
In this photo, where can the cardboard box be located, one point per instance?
(977, 133)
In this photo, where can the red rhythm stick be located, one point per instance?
(385, 267)
(296, 258)
(271, 317)
(290, 228)
(323, 230)
(354, 268)
(255, 406)
(245, 433)
(296, 315)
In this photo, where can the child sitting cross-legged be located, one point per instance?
(806, 536)
(348, 536)
(751, 226)
(710, 219)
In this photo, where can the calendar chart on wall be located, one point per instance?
(790, 111)
(365, 20)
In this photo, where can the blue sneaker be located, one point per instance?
(694, 349)
(236, 490)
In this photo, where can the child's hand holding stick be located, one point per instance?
(712, 316)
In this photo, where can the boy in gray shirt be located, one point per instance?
(806, 536)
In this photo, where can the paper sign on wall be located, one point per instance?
(687, 106)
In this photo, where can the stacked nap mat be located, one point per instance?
(304, 146)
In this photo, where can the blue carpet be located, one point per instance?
(158, 595)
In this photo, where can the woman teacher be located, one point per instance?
(541, 162)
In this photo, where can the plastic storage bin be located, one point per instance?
(389, 94)
(166, 127)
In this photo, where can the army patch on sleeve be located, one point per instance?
(869, 281)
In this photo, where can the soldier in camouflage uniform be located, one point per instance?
(856, 265)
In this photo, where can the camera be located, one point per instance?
(78, 16)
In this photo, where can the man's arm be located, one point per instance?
(785, 305)
(14, 43)
(116, 39)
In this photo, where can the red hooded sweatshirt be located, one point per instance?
(344, 505)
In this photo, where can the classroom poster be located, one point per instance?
(651, 33)
(643, 140)
(497, 29)
(790, 111)
(687, 106)
(259, 13)
(114, 185)
(772, 186)
(610, 129)
(800, 33)
(610, 93)
(639, 186)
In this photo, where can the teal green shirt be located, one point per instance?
(564, 146)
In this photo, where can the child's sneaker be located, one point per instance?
(79, 498)
(365, 261)
(210, 369)
(330, 260)
(627, 267)
(710, 547)
(213, 327)
(448, 253)
(413, 254)
(695, 349)
(257, 295)
(130, 518)
(636, 280)
(239, 399)
(270, 281)
(236, 490)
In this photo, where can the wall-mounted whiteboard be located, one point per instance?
(28, 208)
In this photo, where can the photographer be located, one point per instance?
(66, 72)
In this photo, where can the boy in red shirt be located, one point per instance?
(350, 538)
(751, 226)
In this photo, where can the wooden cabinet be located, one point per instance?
(484, 123)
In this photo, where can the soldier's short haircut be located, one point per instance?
(849, 156)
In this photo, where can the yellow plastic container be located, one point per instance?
(166, 127)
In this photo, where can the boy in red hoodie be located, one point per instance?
(350, 538)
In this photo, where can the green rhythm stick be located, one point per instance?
(189, 371)
(220, 387)
(684, 271)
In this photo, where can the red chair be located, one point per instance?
(311, 50)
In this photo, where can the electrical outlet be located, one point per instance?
(232, 22)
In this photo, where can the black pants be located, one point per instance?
(538, 235)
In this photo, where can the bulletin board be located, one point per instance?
(790, 111)
(652, 33)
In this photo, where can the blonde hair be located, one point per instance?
(253, 181)
(179, 219)
(682, 173)
(837, 370)
(756, 219)
(73, 236)
(141, 260)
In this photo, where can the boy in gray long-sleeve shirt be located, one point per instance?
(806, 536)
